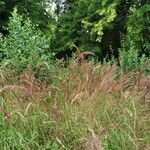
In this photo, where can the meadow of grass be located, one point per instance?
(87, 106)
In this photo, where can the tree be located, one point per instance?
(25, 46)
(102, 26)
(83, 24)
(138, 31)
(34, 9)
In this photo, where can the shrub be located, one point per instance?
(25, 46)
(130, 58)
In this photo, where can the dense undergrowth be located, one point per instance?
(82, 102)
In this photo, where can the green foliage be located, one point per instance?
(71, 28)
(106, 13)
(93, 25)
(138, 28)
(100, 26)
(135, 50)
(25, 46)
(33, 9)
(129, 60)
(85, 24)
(129, 57)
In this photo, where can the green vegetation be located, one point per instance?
(24, 45)
(76, 78)
(62, 114)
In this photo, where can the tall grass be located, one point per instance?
(86, 106)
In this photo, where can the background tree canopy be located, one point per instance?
(103, 26)
(34, 9)
(100, 26)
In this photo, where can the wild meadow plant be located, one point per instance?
(90, 106)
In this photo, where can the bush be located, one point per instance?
(25, 46)
(129, 57)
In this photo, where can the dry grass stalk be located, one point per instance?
(82, 82)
